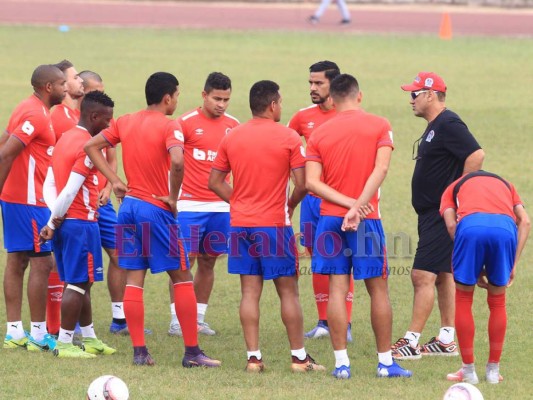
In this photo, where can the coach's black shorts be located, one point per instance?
(435, 247)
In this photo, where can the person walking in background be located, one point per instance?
(305, 121)
(444, 152)
(324, 4)
(489, 225)
(364, 141)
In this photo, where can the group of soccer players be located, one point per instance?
(179, 205)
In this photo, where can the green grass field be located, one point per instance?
(489, 83)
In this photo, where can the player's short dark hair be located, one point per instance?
(158, 85)
(217, 81)
(344, 85)
(331, 70)
(87, 75)
(263, 93)
(64, 65)
(95, 98)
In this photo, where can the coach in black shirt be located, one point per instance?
(443, 153)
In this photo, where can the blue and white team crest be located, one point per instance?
(430, 136)
(179, 135)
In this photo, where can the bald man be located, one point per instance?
(24, 159)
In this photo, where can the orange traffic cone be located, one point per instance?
(445, 31)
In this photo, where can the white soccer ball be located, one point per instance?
(108, 387)
(463, 391)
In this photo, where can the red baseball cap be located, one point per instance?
(426, 80)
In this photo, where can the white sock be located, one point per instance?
(38, 330)
(117, 308)
(447, 334)
(88, 331)
(173, 316)
(201, 308)
(385, 358)
(341, 358)
(15, 329)
(256, 353)
(300, 354)
(413, 338)
(65, 336)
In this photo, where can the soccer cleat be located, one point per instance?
(402, 350)
(96, 346)
(143, 358)
(436, 348)
(393, 371)
(254, 365)
(345, 21)
(199, 360)
(48, 343)
(464, 375)
(204, 329)
(342, 372)
(122, 329)
(10, 343)
(307, 365)
(175, 329)
(68, 350)
(492, 373)
(320, 330)
(313, 20)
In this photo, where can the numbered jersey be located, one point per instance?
(70, 157)
(146, 137)
(202, 137)
(31, 124)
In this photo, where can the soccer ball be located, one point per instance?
(108, 387)
(463, 391)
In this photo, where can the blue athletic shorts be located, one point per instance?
(22, 224)
(107, 220)
(309, 216)
(149, 237)
(78, 252)
(484, 240)
(204, 232)
(337, 252)
(266, 251)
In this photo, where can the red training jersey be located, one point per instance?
(306, 120)
(481, 194)
(202, 137)
(30, 123)
(64, 118)
(68, 157)
(346, 146)
(260, 154)
(146, 137)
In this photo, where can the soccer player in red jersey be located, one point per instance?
(305, 122)
(107, 220)
(203, 217)
(352, 136)
(261, 242)
(71, 192)
(489, 225)
(67, 114)
(149, 238)
(24, 159)
(64, 117)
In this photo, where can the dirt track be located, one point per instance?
(288, 17)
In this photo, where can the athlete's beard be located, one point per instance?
(320, 100)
